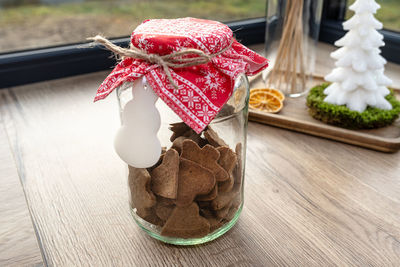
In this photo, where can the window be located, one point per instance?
(336, 11)
(30, 24)
(40, 38)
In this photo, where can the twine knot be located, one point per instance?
(154, 59)
(172, 60)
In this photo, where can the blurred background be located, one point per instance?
(389, 14)
(28, 24)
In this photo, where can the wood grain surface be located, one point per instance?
(308, 201)
(18, 244)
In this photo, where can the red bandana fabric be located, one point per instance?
(202, 89)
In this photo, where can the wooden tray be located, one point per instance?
(294, 116)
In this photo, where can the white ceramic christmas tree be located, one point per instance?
(358, 80)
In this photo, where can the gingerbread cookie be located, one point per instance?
(185, 222)
(234, 208)
(178, 142)
(204, 204)
(153, 218)
(164, 180)
(238, 170)
(224, 211)
(193, 180)
(165, 201)
(227, 160)
(227, 185)
(226, 110)
(150, 169)
(141, 196)
(209, 196)
(201, 142)
(196, 173)
(207, 157)
(215, 222)
(163, 210)
(180, 129)
(213, 138)
(223, 199)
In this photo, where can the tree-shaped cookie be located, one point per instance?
(185, 222)
(207, 157)
(164, 180)
(194, 180)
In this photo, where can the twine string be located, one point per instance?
(172, 60)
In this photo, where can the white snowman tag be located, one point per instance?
(136, 141)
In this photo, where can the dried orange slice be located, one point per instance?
(275, 92)
(265, 101)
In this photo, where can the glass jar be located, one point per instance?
(290, 44)
(194, 193)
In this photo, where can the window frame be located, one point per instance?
(18, 68)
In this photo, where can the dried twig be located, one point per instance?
(288, 73)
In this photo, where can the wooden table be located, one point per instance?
(308, 201)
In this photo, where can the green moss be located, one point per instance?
(344, 117)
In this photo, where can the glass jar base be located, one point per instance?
(152, 231)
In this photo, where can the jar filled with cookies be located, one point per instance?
(183, 98)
